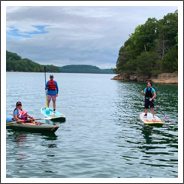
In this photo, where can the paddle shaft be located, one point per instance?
(40, 119)
(32, 120)
(45, 86)
(161, 112)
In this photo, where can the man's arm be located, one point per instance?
(154, 95)
(143, 92)
(46, 86)
(57, 89)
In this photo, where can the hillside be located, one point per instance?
(84, 69)
(152, 49)
(14, 62)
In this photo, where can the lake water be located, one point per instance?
(102, 137)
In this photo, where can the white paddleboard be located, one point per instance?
(51, 115)
(150, 119)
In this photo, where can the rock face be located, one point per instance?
(165, 78)
(118, 77)
(126, 77)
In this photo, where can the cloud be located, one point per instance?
(62, 35)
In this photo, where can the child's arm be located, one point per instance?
(31, 118)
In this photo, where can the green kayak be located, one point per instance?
(43, 127)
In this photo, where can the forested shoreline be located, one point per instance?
(85, 69)
(15, 63)
(152, 49)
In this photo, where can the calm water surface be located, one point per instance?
(102, 136)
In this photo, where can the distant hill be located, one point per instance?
(14, 62)
(84, 69)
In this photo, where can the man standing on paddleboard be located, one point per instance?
(52, 91)
(150, 94)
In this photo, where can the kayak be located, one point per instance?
(43, 127)
(51, 115)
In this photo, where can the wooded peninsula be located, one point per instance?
(151, 50)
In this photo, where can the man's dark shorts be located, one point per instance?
(148, 103)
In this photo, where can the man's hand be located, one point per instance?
(142, 92)
(56, 95)
(150, 99)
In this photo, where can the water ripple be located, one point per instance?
(102, 137)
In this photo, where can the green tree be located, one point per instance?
(170, 61)
(145, 63)
(150, 48)
(16, 63)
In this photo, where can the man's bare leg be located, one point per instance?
(48, 102)
(54, 105)
(146, 111)
(152, 111)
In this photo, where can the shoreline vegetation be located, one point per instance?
(151, 52)
(14, 63)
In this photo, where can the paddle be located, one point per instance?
(161, 112)
(33, 120)
(40, 119)
(45, 85)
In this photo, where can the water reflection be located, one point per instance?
(147, 131)
(19, 136)
(20, 139)
(54, 122)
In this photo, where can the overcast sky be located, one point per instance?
(63, 35)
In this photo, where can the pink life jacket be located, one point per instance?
(23, 117)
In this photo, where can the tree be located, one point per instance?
(123, 57)
(145, 63)
(16, 63)
(150, 49)
(170, 61)
(145, 34)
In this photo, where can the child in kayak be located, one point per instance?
(27, 119)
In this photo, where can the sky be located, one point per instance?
(64, 35)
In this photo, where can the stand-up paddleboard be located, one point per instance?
(51, 115)
(150, 120)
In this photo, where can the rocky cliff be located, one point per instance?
(165, 78)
